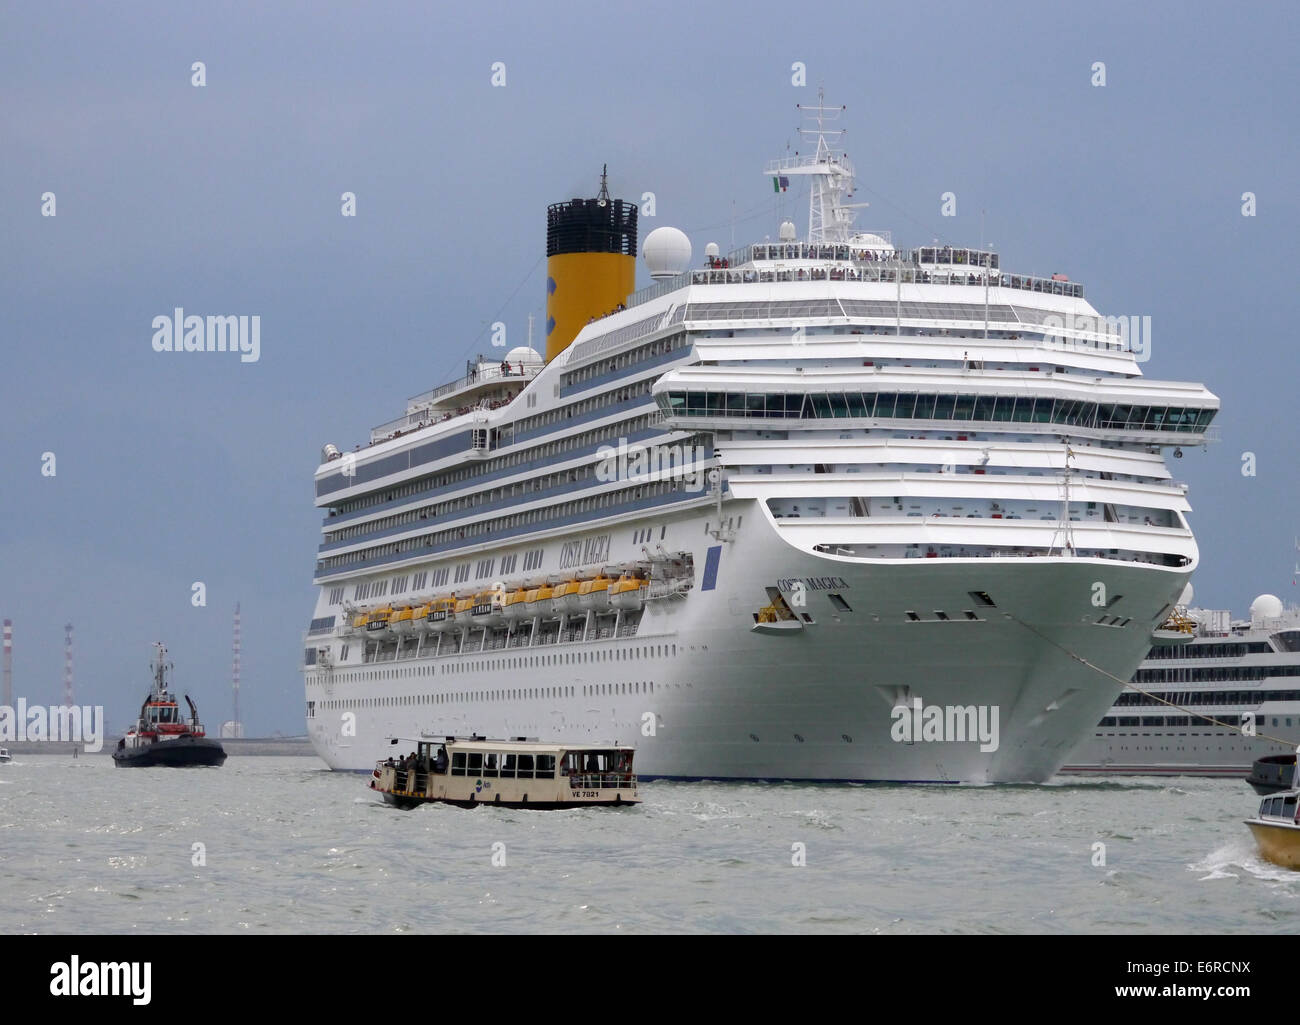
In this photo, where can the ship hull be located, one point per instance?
(185, 752)
(1277, 842)
(705, 695)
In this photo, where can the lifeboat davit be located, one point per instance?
(593, 595)
(628, 592)
(564, 598)
(516, 605)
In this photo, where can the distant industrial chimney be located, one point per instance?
(67, 666)
(9, 663)
(234, 728)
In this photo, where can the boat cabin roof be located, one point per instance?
(517, 746)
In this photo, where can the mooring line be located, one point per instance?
(1154, 697)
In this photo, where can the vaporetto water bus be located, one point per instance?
(743, 514)
(518, 773)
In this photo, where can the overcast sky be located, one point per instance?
(176, 468)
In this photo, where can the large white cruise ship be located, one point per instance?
(820, 509)
(1233, 693)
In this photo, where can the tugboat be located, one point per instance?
(160, 736)
(518, 773)
(1277, 834)
(1272, 773)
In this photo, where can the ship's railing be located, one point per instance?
(485, 370)
(410, 781)
(923, 265)
(887, 272)
(427, 417)
(419, 408)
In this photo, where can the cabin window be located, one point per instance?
(525, 769)
(1288, 808)
(490, 764)
(545, 767)
(458, 763)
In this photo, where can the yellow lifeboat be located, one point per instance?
(464, 609)
(487, 609)
(377, 623)
(402, 621)
(516, 605)
(593, 594)
(539, 600)
(564, 599)
(628, 592)
(441, 614)
(419, 618)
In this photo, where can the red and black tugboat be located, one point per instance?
(161, 736)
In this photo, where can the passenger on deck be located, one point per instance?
(440, 762)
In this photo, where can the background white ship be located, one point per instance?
(872, 476)
(1233, 670)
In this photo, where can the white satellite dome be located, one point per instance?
(867, 240)
(1266, 606)
(667, 252)
(523, 354)
(712, 250)
(786, 232)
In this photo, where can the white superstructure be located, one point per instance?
(823, 482)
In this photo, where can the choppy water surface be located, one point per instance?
(292, 847)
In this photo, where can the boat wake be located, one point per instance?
(1238, 858)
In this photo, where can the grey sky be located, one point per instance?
(175, 468)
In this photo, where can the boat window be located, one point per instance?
(490, 764)
(1288, 808)
(525, 770)
(458, 763)
(475, 762)
(545, 767)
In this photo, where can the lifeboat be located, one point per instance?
(539, 600)
(460, 615)
(377, 623)
(564, 599)
(516, 605)
(441, 614)
(487, 609)
(628, 592)
(419, 617)
(593, 594)
(402, 621)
